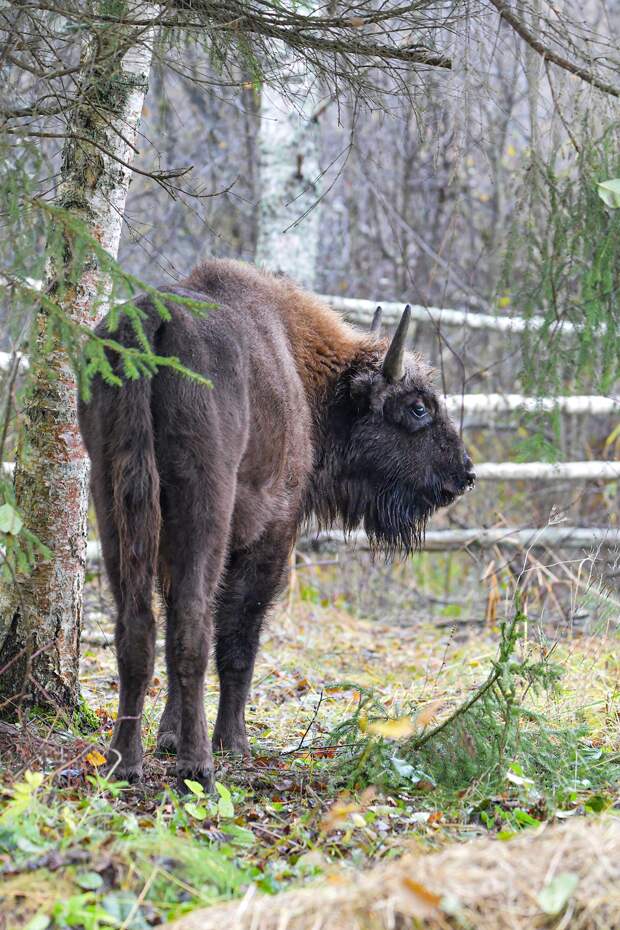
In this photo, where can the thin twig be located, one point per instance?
(308, 728)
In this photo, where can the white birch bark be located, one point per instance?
(41, 615)
(289, 175)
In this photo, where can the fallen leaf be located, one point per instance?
(398, 728)
(428, 713)
(421, 891)
(95, 758)
(337, 814)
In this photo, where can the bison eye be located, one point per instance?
(418, 409)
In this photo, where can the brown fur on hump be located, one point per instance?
(323, 344)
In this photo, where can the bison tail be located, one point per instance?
(118, 430)
(135, 484)
(126, 434)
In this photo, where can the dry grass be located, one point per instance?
(484, 884)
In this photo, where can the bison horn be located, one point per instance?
(394, 363)
(375, 326)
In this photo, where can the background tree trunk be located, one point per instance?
(289, 174)
(289, 184)
(40, 616)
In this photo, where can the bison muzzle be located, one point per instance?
(202, 491)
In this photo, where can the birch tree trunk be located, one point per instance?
(289, 174)
(40, 616)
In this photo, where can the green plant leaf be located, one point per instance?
(10, 520)
(556, 894)
(89, 881)
(609, 192)
(598, 803)
(525, 818)
(122, 908)
(38, 922)
(195, 787)
(33, 779)
(225, 806)
(239, 835)
(197, 811)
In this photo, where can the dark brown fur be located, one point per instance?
(206, 489)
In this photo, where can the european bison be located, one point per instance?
(205, 490)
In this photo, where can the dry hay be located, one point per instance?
(481, 885)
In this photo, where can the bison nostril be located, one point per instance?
(467, 462)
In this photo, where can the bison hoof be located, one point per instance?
(123, 767)
(132, 774)
(123, 772)
(231, 742)
(167, 743)
(233, 747)
(203, 774)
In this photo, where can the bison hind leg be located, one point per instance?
(135, 647)
(252, 580)
(134, 636)
(195, 531)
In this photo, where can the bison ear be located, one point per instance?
(360, 390)
(394, 363)
(375, 326)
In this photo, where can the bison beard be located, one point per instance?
(203, 491)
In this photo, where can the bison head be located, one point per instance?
(390, 454)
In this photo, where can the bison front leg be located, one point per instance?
(252, 580)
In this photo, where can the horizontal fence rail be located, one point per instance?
(545, 471)
(563, 537)
(361, 311)
(358, 310)
(591, 404)
(523, 471)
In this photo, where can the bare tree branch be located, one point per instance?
(548, 54)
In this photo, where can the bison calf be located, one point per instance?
(205, 490)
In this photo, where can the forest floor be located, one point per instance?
(350, 765)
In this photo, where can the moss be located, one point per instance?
(85, 720)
